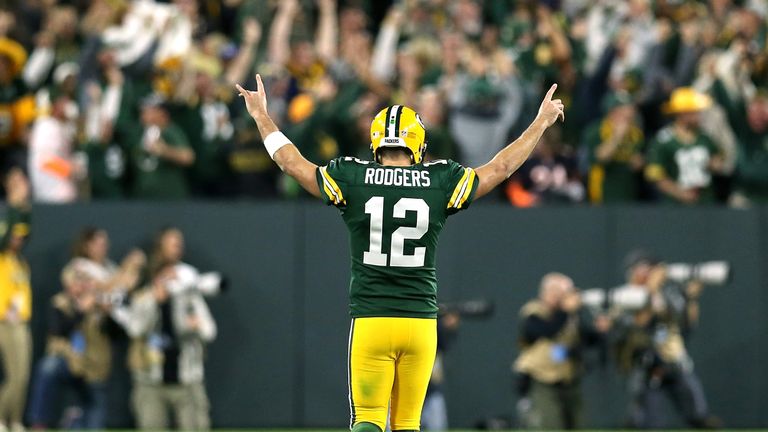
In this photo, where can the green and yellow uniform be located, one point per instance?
(394, 216)
(15, 313)
(15, 289)
(687, 164)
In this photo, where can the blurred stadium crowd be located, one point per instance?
(111, 99)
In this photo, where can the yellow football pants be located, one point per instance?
(390, 362)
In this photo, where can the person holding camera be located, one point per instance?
(81, 331)
(651, 346)
(170, 325)
(554, 330)
(90, 254)
(168, 250)
(78, 355)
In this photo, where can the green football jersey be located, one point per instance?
(685, 164)
(394, 216)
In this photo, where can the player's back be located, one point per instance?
(394, 216)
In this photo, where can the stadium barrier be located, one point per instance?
(279, 360)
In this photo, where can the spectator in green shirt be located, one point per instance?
(681, 159)
(615, 152)
(748, 116)
(161, 155)
(752, 177)
(431, 109)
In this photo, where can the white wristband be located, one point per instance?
(274, 141)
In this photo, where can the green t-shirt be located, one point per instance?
(752, 167)
(751, 177)
(685, 164)
(394, 216)
(157, 178)
(612, 181)
(210, 163)
(106, 170)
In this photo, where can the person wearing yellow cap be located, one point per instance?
(682, 158)
(17, 105)
(15, 304)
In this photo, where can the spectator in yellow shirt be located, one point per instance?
(15, 303)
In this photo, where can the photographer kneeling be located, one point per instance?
(651, 345)
(78, 355)
(554, 330)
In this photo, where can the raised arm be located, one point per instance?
(238, 69)
(509, 159)
(327, 33)
(282, 150)
(280, 32)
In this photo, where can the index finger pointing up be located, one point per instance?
(550, 92)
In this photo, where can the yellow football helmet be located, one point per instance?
(398, 126)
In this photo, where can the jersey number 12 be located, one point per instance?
(397, 257)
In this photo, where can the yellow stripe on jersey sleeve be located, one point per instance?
(331, 188)
(462, 182)
(468, 191)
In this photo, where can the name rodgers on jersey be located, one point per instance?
(397, 177)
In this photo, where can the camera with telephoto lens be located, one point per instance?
(188, 279)
(468, 309)
(712, 273)
(626, 297)
(113, 298)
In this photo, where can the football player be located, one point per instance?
(394, 207)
